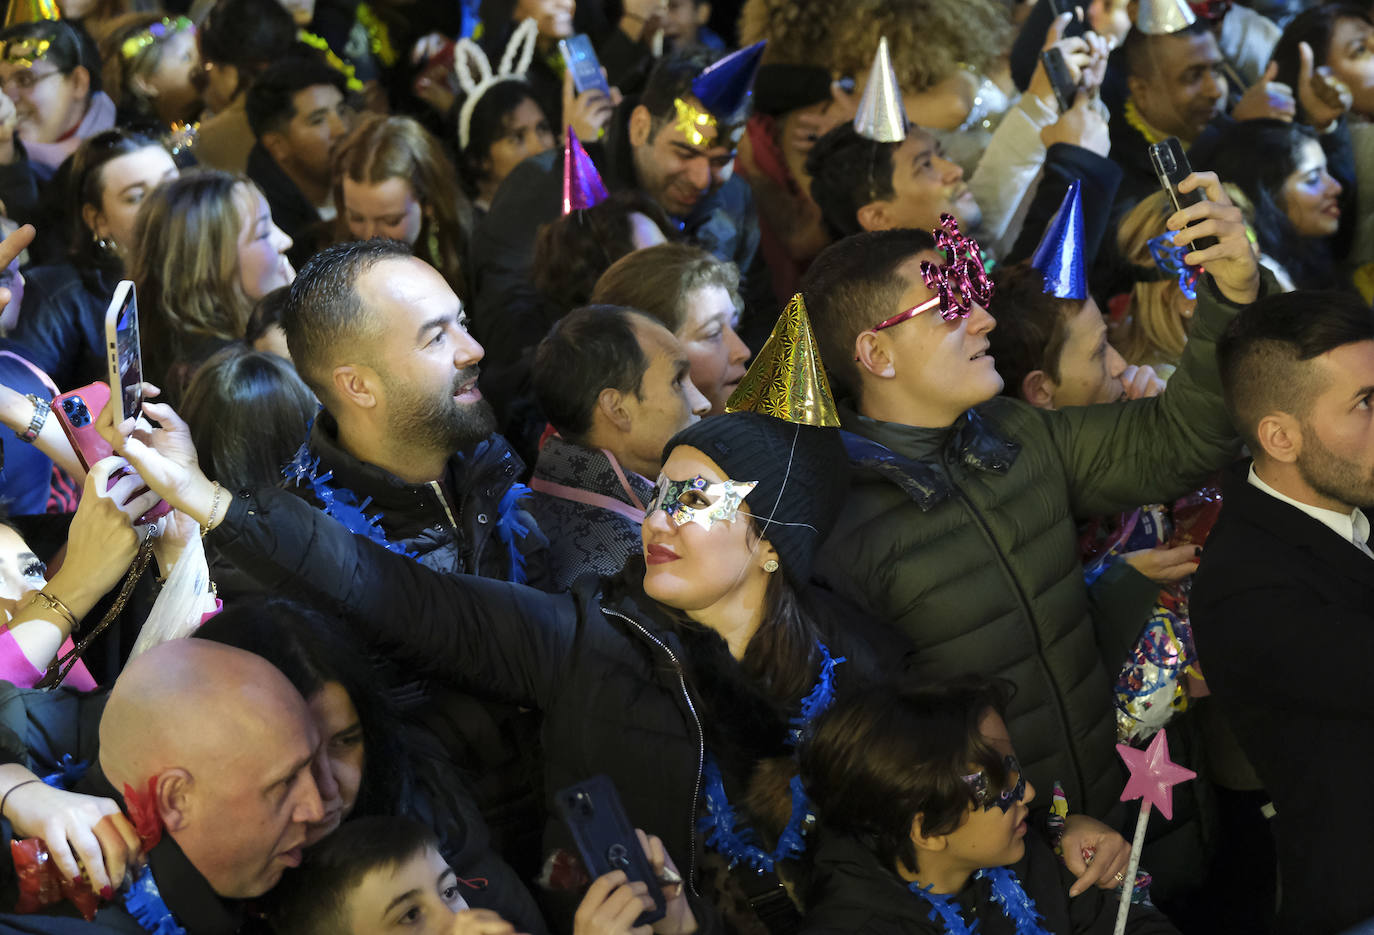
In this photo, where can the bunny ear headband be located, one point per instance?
(475, 76)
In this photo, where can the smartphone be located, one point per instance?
(76, 412)
(606, 839)
(1078, 25)
(1172, 166)
(580, 58)
(124, 352)
(1061, 79)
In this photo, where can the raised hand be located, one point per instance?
(1325, 98)
(1230, 261)
(1267, 98)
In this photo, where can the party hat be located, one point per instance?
(28, 11)
(786, 381)
(1060, 254)
(724, 88)
(582, 185)
(1162, 17)
(881, 116)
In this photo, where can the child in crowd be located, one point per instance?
(375, 875)
(926, 825)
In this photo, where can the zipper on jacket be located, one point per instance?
(1030, 620)
(701, 745)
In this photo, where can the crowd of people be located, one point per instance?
(628, 466)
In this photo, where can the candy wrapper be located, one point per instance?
(1162, 674)
(41, 884)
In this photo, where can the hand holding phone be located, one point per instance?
(1060, 77)
(1171, 166)
(607, 842)
(580, 59)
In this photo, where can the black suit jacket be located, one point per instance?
(1283, 614)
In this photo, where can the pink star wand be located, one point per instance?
(1153, 776)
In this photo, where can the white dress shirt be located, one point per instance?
(1353, 527)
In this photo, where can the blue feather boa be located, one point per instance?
(1007, 894)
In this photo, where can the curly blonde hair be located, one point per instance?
(928, 39)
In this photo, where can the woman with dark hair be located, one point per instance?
(249, 413)
(505, 127)
(922, 809)
(383, 760)
(1294, 199)
(50, 75)
(62, 321)
(1339, 39)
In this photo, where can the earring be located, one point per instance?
(106, 244)
(771, 565)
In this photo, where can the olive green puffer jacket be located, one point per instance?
(964, 537)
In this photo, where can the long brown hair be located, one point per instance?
(185, 264)
(381, 148)
(1156, 333)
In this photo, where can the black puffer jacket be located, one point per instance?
(490, 534)
(610, 673)
(853, 893)
(62, 322)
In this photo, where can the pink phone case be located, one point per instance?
(77, 412)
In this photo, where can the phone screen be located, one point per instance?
(581, 60)
(130, 357)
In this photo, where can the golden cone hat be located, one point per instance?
(786, 381)
(1163, 17)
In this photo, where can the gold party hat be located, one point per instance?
(786, 381)
(28, 11)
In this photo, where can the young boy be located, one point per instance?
(923, 810)
(380, 875)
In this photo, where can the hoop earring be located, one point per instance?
(771, 565)
(105, 244)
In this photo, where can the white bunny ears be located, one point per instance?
(470, 62)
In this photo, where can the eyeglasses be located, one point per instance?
(978, 787)
(24, 81)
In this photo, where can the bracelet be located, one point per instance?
(7, 795)
(40, 417)
(55, 604)
(214, 508)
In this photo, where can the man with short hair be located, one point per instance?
(615, 384)
(217, 750)
(405, 452)
(959, 524)
(1283, 603)
(685, 166)
(298, 113)
(406, 446)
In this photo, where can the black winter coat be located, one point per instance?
(611, 675)
(62, 322)
(1283, 614)
(853, 893)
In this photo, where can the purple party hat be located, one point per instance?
(724, 88)
(582, 185)
(1060, 254)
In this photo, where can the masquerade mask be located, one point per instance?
(1169, 258)
(700, 502)
(156, 32)
(978, 785)
(24, 51)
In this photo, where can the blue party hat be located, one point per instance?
(1060, 254)
(582, 185)
(724, 88)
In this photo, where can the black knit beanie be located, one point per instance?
(802, 474)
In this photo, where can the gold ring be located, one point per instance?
(1120, 876)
